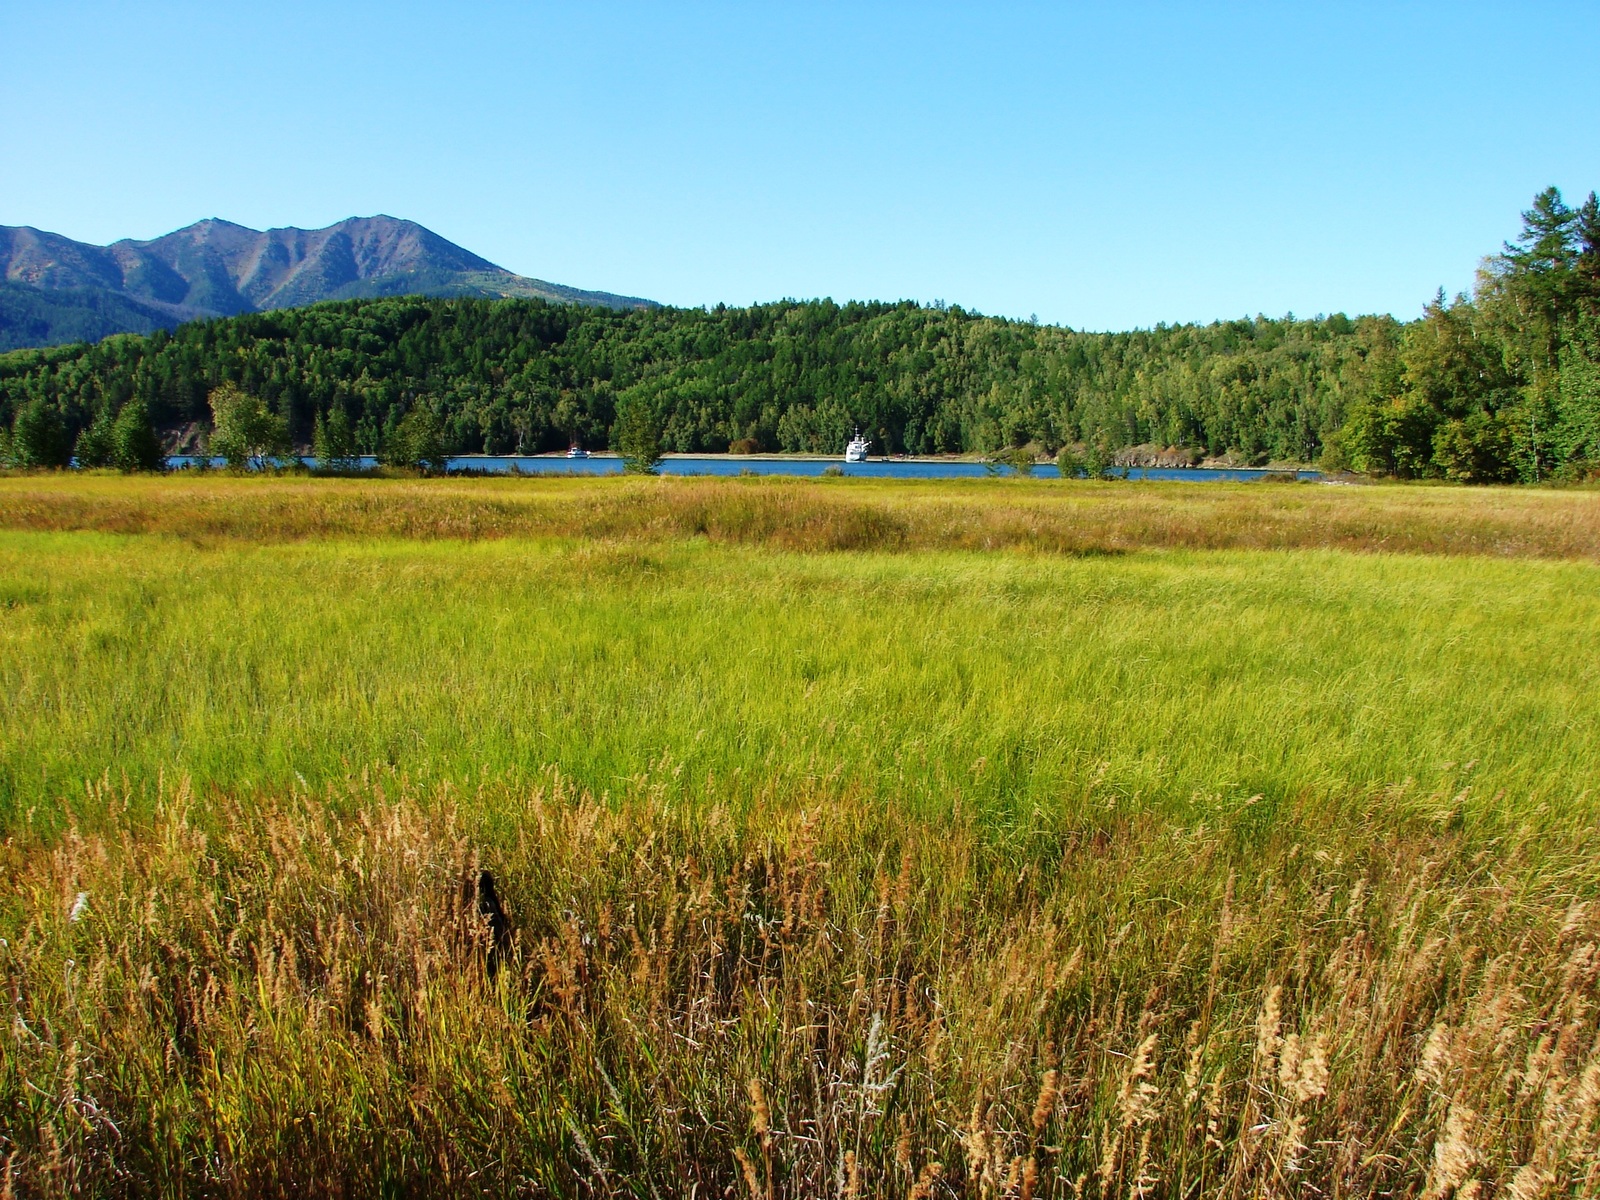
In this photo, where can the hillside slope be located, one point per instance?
(525, 376)
(64, 290)
(31, 316)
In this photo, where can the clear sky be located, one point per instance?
(1102, 165)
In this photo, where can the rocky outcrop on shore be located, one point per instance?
(1152, 455)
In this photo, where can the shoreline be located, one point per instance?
(931, 459)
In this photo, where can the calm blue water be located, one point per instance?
(724, 464)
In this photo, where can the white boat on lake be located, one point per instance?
(577, 452)
(856, 451)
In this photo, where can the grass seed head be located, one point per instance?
(1044, 1105)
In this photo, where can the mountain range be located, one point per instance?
(54, 289)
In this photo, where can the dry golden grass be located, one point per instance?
(264, 998)
(809, 514)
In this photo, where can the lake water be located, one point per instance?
(727, 464)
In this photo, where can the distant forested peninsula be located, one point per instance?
(1501, 386)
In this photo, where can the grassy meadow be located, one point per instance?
(1002, 838)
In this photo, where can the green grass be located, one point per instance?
(1174, 680)
(1189, 844)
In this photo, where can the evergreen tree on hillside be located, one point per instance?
(134, 444)
(39, 436)
(334, 441)
(1587, 266)
(1532, 285)
(93, 448)
(1545, 247)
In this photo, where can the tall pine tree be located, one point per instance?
(134, 444)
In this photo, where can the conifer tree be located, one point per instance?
(334, 441)
(1588, 261)
(39, 436)
(94, 443)
(1533, 282)
(134, 444)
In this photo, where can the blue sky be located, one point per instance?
(1101, 165)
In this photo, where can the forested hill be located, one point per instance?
(1502, 386)
(527, 376)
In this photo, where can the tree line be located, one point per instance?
(1502, 385)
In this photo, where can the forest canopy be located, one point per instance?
(1502, 385)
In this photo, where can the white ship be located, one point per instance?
(577, 451)
(856, 451)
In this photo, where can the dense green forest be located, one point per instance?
(1500, 386)
(29, 314)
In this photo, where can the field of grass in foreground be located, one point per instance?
(924, 870)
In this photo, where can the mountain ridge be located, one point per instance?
(54, 288)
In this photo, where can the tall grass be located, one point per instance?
(940, 681)
(265, 998)
(917, 870)
(846, 514)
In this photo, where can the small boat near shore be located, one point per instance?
(585, 462)
(856, 451)
(576, 451)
